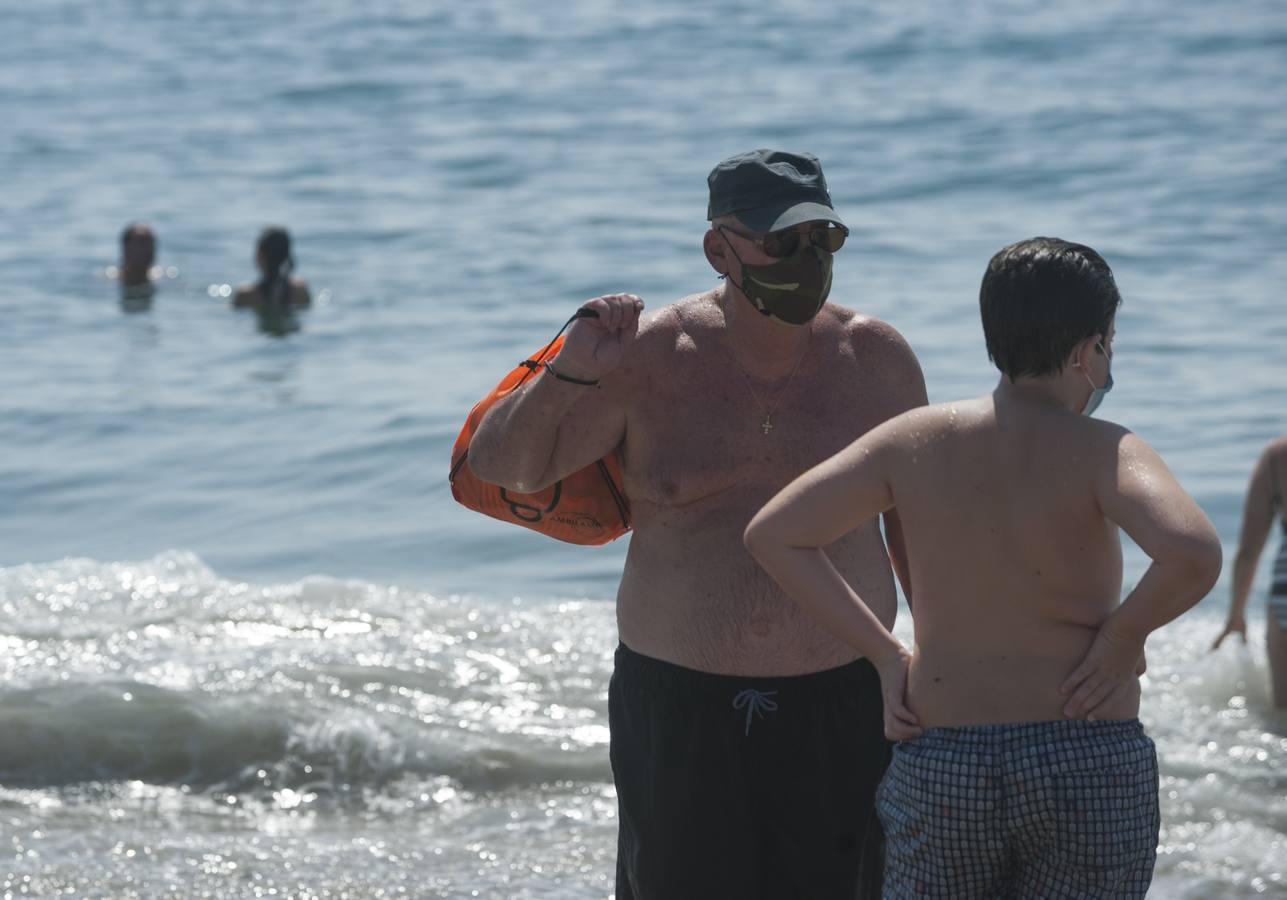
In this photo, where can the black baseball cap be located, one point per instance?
(769, 190)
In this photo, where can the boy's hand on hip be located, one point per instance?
(1110, 665)
(901, 723)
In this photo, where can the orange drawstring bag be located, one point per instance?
(586, 507)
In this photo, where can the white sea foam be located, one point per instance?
(466, 732)
(457, 177)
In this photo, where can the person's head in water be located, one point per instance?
(1043, 300)
(138, 254)
(773, 231)
(272, 252)
(278, 291)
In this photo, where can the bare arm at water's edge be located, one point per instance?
(550, 427)
(787, 538)
(1139, 494)
(1257, 520)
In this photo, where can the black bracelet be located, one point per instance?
(561, 377)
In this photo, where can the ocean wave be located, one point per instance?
(170, 675)
(70, 734)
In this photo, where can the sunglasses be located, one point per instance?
(787, 241)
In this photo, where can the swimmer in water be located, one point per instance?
(137, 272)
(278, 290)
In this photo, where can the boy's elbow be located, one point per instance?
(1200, 559)
(1207, 563)
(753, 537)
(758, 538)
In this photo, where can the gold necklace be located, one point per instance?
(767, 425)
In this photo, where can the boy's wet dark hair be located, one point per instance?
(1039, 299)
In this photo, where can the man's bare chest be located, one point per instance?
(696, 437)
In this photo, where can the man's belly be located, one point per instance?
(695, 598)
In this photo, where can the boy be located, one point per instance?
(1023, 769)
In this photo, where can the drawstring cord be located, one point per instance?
(756, 703)
(536, 361)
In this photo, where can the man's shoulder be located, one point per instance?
(663, 332)
(675, 326)
(882, 355)
(868, 331)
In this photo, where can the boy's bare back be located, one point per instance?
(1010, 507)
(1014, 564)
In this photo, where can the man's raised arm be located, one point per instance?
(564, 418)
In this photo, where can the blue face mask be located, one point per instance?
(1097, 393)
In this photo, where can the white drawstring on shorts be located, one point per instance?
(756, 703)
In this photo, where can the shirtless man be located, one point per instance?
(746, 740)
(1023, 771)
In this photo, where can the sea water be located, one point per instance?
(249, 646)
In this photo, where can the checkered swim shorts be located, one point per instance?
(1038, 809)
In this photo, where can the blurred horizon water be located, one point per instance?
(249, 644)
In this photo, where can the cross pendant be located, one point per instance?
(766, 426)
